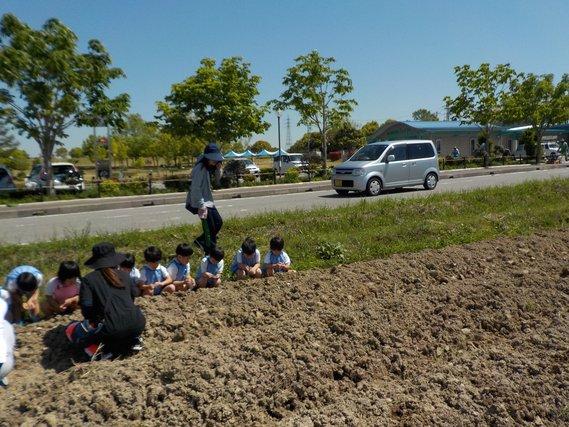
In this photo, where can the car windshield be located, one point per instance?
(295, 158)
(248, 162)
(60, 170)
(369, 152)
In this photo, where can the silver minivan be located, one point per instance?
(388, 164)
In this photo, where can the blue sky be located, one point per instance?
(400, 54)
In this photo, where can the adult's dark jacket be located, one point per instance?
(114, 307)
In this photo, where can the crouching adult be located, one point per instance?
(113, 323)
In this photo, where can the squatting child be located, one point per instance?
(62, 292)
(154, 277)
(276, 260)
(210, 269)
(179, 268)
(247, 260)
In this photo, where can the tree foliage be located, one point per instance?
(49, 86)
(538, 101)
(308, 142)
(261, 145)
(481, 94)
(369, 128)
(216, 103)
(425, 115)
(317, 91)
(345, 137)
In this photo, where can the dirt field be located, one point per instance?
(475, 334)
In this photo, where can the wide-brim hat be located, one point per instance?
(211, 152)
(104, 256)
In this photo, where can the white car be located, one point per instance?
(66, 177)
(287, 161)
(549, 147)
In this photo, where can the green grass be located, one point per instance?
(374, 228)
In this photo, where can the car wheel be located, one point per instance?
(342, 192)
(373, 187)
(431, 181)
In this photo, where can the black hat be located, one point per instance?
(211, 152)
(104, 256)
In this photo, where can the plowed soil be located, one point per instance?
(473, 334)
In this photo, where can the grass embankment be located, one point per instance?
(324, 237)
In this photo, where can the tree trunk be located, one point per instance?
(46, 152)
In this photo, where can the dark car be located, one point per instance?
(6, 180)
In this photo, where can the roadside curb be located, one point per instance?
(110, 203)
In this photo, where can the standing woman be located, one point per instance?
(113, 323)
(200, 198)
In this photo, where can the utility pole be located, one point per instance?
(288, 137)
(279, 130)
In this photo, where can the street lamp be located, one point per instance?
(279, 112)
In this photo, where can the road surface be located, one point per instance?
(40, 228)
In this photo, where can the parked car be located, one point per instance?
(6, 180)
(245, 165)
(388, 164)
(291, 160)
(548, 148)
(66, 177)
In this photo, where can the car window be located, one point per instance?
(296, 158)
(3, 173)
(369, 152)
(35, 170)
(420, 151)
(400, 152)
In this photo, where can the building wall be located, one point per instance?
(445, 141)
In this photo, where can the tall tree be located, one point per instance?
(49, 86)
(76, 153)
(317, 91)
(308, 142)
(61, 152)
(481, 95)
(216, 103)
(345, 136)
(7, 141)
(425, 115)
(261, 145)
(538, 101)
(369, 128)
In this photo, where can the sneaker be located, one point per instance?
(138, 344)
(4, 382)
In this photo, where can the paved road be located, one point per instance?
(32, 229)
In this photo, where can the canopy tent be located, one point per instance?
(247, 153)
(231, 155)
(280, 153)
(265, 153)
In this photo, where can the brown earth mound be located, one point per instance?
(474, 334)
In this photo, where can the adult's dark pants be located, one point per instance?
(211, 226)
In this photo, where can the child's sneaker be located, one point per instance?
(4, 382)
(137, 345)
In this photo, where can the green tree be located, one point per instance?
(369, 128)
(538, 101)
(49, 86)
(481, 96)
(425, 115)
(216, 103)
(316, 90)
(308, 142)
(17, 159)
(61, 152)
(345, 137)
(7, 141)
(92, 149)
(75, 154)
(261, 145)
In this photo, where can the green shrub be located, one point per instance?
(109, 188)
(249, 178)
(292, 175)
(329, 250)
